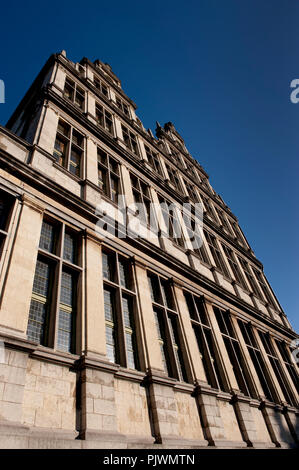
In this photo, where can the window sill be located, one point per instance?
(55, 355)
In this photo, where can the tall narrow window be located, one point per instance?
(168, 329)
(153, 160)
(53, 309)
(192, 170)
(235, 353)
(234, 265)
(108, 175)
(104, 118)
(249, 276)
(208, 208)
(238, 234)
(122, 106)
(206, 341)
(196, 237)
(120, 307)
(74, 93)
(174, 178)
(130, 140)
(277, 369)
(101, 86)
(191, 191)
(224, 222)
(141, 196)
(258, 361)
(172, 222)
(69, 148)
(263, 286)
(216, 253)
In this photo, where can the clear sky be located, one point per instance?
(219, 70)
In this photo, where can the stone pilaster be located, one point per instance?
(94, 320)
(277, 425)
(165, 416)
(20, 272)
(12, 384)
(211, 418)
(98, 421)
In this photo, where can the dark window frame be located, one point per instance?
(169, 329)
(234, 350)
(109, 179)
(206, 342)
(57, 307)
(122, 329)
(70, 141)
(72, 91)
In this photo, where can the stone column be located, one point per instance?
(119, 133)
(47, 133)
(59, 77)
(91, 107)
(95, 339)
(16, 297)
(143, 155)
(91, 161)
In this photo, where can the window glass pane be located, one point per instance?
(154, 289)
(41, 278)
(36, 321)
(75, 161)
(191, 306)
(201, 310)
(60, 150)
(64, 128)
(109, 306)
(127, 311)
(78, 138)
(114, 188)
(220, 320)
(66, 293)
(167, 295)
(110, 343)
(69, 248)
(47, 237)
(64, 335)
(173, 326)
(108, 266)
(124, 273)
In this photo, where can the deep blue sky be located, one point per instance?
(220, 70)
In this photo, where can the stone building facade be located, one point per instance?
(123, 341)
